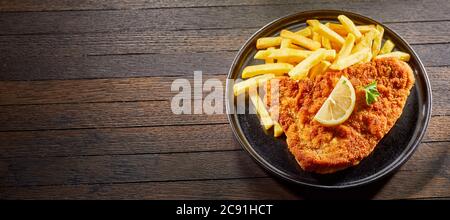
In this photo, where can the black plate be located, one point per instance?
(392, 151)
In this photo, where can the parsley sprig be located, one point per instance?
(371, 92)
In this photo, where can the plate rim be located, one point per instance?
(389, 169)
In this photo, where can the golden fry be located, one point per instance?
(316, 37)
(266, 42)
(293, 46)
(261, 54)
(277, 130)
(319, 69)
(365, 41)
(289, 53)
(335, 46)
(269, 60)
(349, 26)
(338, 28)
(326, 43)
(330, 55)
(285, 43)
(306, 32)
(376, 46)
(328, 33)
(241, 87)
(312, 22)
(387, 47)
(300, 40)
(397, 54)
(365, 28)
(273, 68)
(351, 60)
(301, 70)
(346, 47)
(260, 108)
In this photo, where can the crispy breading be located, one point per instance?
(323, 149)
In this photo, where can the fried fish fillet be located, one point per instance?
(323, 149)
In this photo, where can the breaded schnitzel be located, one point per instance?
(323, 149)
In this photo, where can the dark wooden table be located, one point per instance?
(85, 99)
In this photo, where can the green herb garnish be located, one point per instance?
(371, 92)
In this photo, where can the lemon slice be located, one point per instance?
(339, 105)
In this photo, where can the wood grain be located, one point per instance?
(143, 140)
(85, 99)
(244, 188)
(149, 89)
(127, 168)
(35, 67)
(65, 5)
(426, 173)
(174, 42)
(117, 141)
(207, 17)
(98, 115)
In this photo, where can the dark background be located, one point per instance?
(85, 99)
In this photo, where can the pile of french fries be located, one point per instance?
(310, 52)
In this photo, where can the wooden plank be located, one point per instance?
(148, 42)
(126, 168)
(254, 188)
(98, 115)
(206, 17)
(114, 141)
(48, 67)
(96, 90)
(165, 139)
(23, 66)
(424, 175)
(217, 189)
(67, 5)
(170, 42)
(143, 140)
(436, 131)
(119, 113)
(145, 88)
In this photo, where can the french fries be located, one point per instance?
(306, 32)
(285, 43)
(330, 55)
(328, 33)
(326, 43)
(310, 52)
(387, 47)
(301, 70)
(241, 87)
(261, 54)
(339, 28)
(376, 46)
(268, 59)
(398, 54)
(346, 48)
(316, 37)
(355, 58)
(349, 26)
(260, 108)
(365, 28)
(277, 130)
(270, 68)
(266, 42)
(366, 41)
(300, 40)
(289, 53)
(319, 69)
